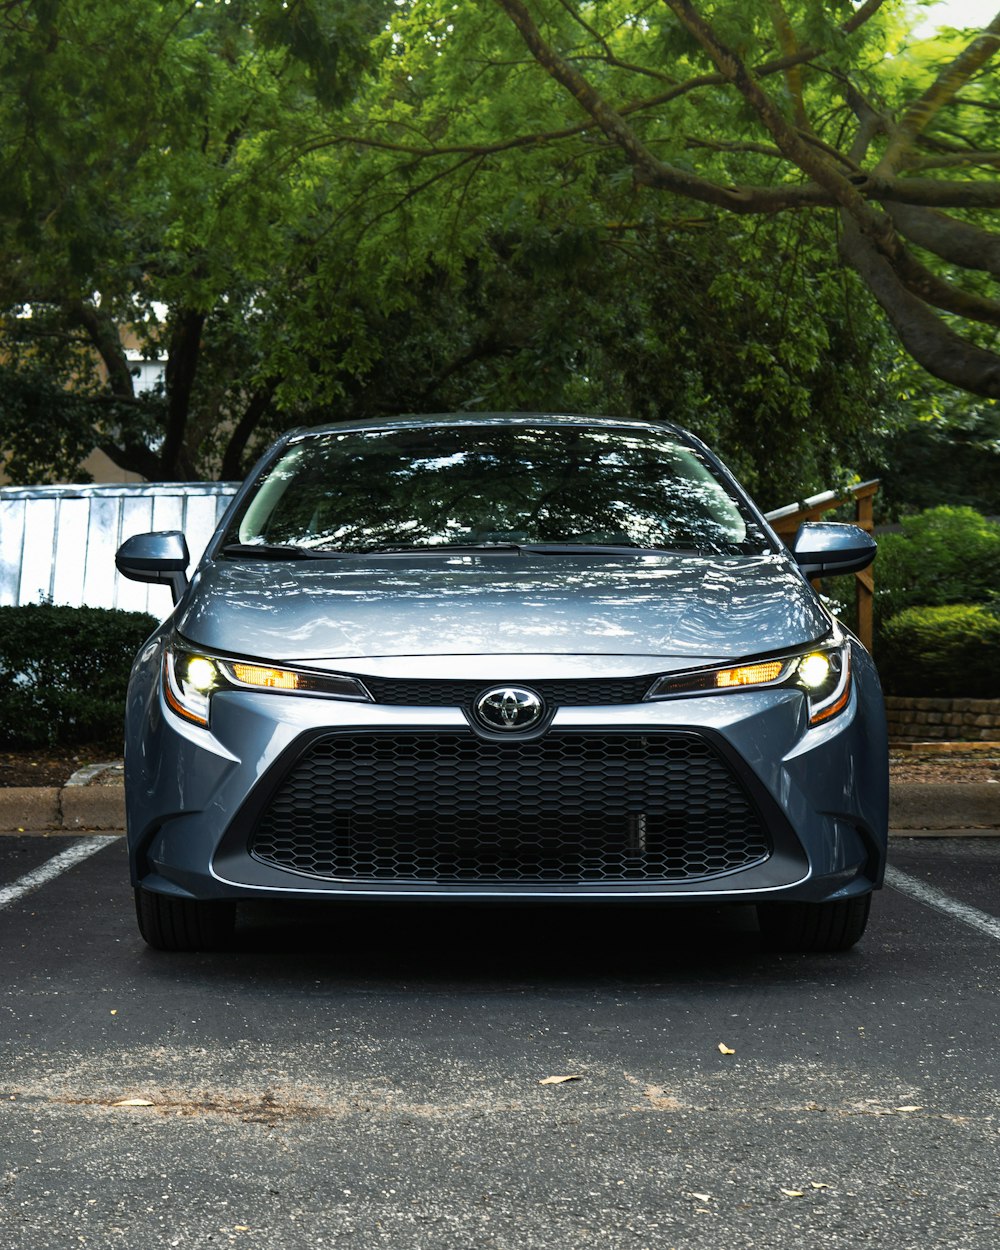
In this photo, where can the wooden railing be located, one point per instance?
(786, 521)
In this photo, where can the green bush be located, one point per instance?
(950, 651)
(63, 673)
(943, 555)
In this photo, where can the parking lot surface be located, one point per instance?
(372, 1077)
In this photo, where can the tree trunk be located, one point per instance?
(182, 365)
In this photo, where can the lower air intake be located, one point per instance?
(565, 809)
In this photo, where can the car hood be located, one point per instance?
(648, 605)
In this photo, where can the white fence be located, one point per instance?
(58, 543)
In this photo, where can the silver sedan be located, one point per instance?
(541, 658)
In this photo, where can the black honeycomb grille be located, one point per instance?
(583, 692)
(567, 808)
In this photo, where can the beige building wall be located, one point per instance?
(103, 469)
(100, 467)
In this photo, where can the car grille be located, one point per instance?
(564, 809)
(583, 692)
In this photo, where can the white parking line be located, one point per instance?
(51, 869)
(924, 893)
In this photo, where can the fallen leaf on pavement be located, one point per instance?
(819, 1184)
(558, 1080)
(793, 1193)
(726, 1050)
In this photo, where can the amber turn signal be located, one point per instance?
(750, 674)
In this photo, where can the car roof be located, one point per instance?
(436, 419)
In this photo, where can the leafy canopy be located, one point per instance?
(328, 208)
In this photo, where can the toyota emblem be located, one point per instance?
(509, 708)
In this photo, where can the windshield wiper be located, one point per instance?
(274, 551)
(518, 549)
(580, 549)
(461, 549)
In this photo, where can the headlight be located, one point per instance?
(191, 678)
(823, 674)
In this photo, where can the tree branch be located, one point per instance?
(933, 192)
(944, 295)
(795, 149)
(924, 335)
(232, 468)
(948, 83)
(957, 242)
(609, 56)
(132, 457)
(968, 159)
(862, 15)
(103, 334)
(590, 100)
(790, 47)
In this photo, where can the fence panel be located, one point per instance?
(70, 562)
(102, 536)
(58, 543)
(37, 551)
(11, 544)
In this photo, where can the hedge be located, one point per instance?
(947, 651)
(63, 673)
(943, 555)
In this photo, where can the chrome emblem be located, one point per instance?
(509, 707)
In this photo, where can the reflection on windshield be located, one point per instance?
(492, 485)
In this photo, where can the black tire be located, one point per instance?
(814, 926)
(183, 924)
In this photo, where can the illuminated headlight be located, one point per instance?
(823, 674)
(191, 678)
(826, 678)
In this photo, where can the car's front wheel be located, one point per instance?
(183, 924)
(814, 926)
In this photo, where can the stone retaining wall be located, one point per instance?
(959, 720)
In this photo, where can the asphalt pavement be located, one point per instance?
(367, 1077)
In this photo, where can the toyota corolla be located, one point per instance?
(537, 658)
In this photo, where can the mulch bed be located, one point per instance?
(954, 765)
(51, 767)
(55, 767)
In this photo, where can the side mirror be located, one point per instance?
(161, 557)
(826, 548)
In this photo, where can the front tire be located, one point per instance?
(183, 924)
(815, 927)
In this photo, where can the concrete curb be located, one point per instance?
(924, 809)
(66, 809)
(942, 806)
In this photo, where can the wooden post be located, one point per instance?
(786, 521)
(864, 582)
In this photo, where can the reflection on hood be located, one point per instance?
(670, 605)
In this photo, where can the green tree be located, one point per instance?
(130, 196)
(348, 209)
(946, 452)
(880, 140)
(510, 261)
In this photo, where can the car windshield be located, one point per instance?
(493, 485)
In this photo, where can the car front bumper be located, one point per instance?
(195, 796)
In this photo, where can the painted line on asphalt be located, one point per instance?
(927, 894)
(51, 869)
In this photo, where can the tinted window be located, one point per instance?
(460, 485)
